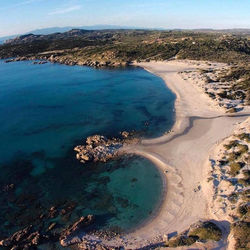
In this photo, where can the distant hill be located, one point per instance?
(54, 30)
(113, 47)
(233, 31)
(51, 30)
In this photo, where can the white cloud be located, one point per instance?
(27, 2)
(65, 10)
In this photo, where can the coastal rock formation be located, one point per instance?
(23, 239)
(71, 235)
(40, 62)
(17, 59)
(99, 148)
(57, 58)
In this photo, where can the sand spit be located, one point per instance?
(183, 156)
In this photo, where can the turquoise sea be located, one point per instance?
(46, 110)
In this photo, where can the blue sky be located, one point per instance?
(19, 16)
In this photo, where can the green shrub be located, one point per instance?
(235, 168)
(245, 195)
(232, 157)
(246, 173)
(244, 136)
(181, 240)
(231, 144)
(233, 197)
(206, 231)
(241, 233)
(244, 182)
(242, 148)
(244, 209)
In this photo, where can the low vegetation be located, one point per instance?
(131, 45)
(231, 202)
(200, 231)
(231, 144)
(235, 168)
(181, 240)
(244, 210)
(245, 137)
(206, 231)
(239, 82)
(241, 233)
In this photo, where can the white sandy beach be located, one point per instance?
(183, 155)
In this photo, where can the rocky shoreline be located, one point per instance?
(99, 148)
(28, 238)
(45, 227)
(56, 58)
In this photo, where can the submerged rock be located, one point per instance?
(9, 187)
(40, 62)
(22, 239)
(71, 235)
(17, 59)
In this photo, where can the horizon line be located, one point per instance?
(122, 27)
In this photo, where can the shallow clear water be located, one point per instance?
(45, 110)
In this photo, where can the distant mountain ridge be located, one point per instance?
(73, 34)
(51, 30)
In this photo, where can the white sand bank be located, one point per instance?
(184, 153)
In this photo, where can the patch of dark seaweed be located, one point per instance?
(60, 195)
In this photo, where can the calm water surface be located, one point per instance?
(45, 110)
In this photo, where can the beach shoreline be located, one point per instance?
(183, 154)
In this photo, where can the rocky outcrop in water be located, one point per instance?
(58, 58)
(40, 62)
(23, 239)
(99, 148)
(71, 235)
(17, 59)
(53, 58)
